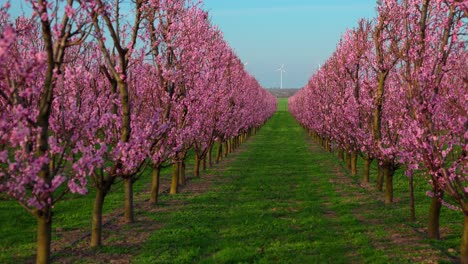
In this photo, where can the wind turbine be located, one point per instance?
(281, 70)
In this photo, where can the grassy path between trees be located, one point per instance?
(281, 200)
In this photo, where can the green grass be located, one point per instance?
(18, 228)
(277, 201)
(269, 206)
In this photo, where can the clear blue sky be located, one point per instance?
(301, 34)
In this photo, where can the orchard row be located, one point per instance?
(94, 91)
(396, 91)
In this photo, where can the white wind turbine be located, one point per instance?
(281, 70)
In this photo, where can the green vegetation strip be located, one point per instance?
(269, 206)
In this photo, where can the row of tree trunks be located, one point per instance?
(385, 174)
(201, 163)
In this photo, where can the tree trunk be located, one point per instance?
(353, 163)
(226, 148)
(210, 158)
(434, 216)
(464, 241)
(411, 191)
(367, 163)
(348, 160)
(182, 178)
(219, 152)
(155, 183)
(196, 169)
(96, 224)
(204, 164)
(388, 172)
(340, 154)
(44, 235)
(128, 209)
(175, 178)
(380, 178)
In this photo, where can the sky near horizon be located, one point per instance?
(301, 34)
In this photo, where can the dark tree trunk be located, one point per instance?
(348, 161)
(96, 224)
(182, 178)
(175, 179)
(367, 163)
(340, 154)
(44, 235)
(128, 209)
(433, 229)
(196, 169)
(411, 191)
(388, 172)
(155, 183)
(464, 241)
(219, 153)
(226, 148)
(353, 163)
(210, 156)
(380, 178)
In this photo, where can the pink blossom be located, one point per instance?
(70, 11)
(44, 16)
(3, 156)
